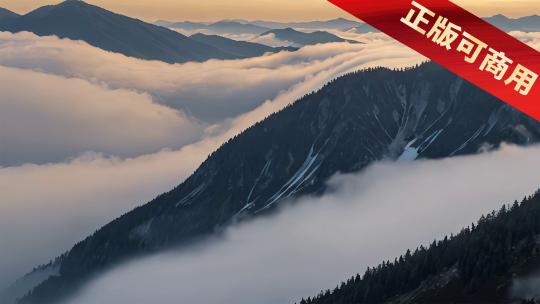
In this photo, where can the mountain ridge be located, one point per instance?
(242, 48)
(357, 119)
(219, 27)
(260, 26)
(113, 32)
(523, 24)
(299, 39)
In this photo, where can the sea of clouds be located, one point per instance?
(63, 98)
(84, 141)
(86, 135)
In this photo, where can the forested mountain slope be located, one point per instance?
(476, 266)
(358, 119)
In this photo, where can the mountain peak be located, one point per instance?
(288, 30)
(283, 31)
(68, 6)
(523, 24)
(78, 4)
(341, 19)
(73, 2)
(531, 17)
(503, 17)
(79, 20)
(499, 17)
(226, 22)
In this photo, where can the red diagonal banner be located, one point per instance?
(460, 41)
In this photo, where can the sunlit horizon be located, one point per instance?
(277, 10)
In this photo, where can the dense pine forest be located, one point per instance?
(474, 266)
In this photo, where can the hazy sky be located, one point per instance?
(260, 9)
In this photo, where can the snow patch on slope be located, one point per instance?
(295, 183)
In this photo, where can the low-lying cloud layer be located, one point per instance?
(73, 199)
(531, 38)
(46, 209)
(318, 242)
(48, 118)
(210, 91)
(106, 102)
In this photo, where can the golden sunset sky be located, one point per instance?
(282, 10)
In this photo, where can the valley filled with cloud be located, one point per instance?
(339, 234)
(181, 102)
(210, 91)
(49, 118)
(99, 141)
(87, 135)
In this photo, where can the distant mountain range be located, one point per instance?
(241, 48)
(282, 31)
(238, 27)
(259, 27)
(78, 20)
(220, 27)
(524, 24)
(300, 39)
(340, 24)
(354, 121)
